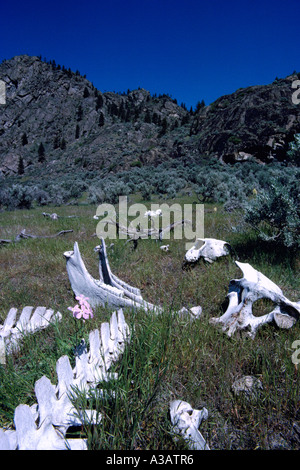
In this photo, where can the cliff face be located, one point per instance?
(258, 121)
(56, 121)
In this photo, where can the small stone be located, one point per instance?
(247, 385)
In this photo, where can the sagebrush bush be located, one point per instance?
(275, 214)
(211, 180)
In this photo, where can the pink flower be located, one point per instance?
(83, 310)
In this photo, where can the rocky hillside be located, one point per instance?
(258, 121)
(55, 121)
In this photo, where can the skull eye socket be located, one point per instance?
(262, 306)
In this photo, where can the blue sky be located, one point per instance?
(191, 49)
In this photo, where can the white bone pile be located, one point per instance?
(43, 426)
(210, 250)
(244, 292)
(186, 421)
(12, 331)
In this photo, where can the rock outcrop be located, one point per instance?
(55, 121)
(258, 121)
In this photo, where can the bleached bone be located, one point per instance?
(13, 330)
(109, 289)
(164, 247)
(186, 421)
(53, 216)
(244, 292)
(211, 250)
(156, 233)
(153, 213)
(43, 426)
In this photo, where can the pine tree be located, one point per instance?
(99, 102)
(147, 116)
(86, 92)
(63, 144)
(56, 142)
(21, 166)
(164, 127)
(24, 139)
(41, 153)
(79, 113)
(77, 131)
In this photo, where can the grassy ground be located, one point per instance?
(168, 357)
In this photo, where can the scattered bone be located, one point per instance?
(135, 233)
(13, 330)
(55, 216)
(210, 250)
(164, 247)
(43, 426)
(109, 289)
(192, 313)
(244, 292)
(186, 421)
(23, 235)
(153, 213)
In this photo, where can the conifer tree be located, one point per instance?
(63, 144)
(79, 113)
(41, 153)
(99, 102)
(56, 142)
(148, 116)
(101, 120)
(21, 166)
(24, 139)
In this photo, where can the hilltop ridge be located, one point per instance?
(55, 121)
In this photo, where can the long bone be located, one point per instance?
(186, 421)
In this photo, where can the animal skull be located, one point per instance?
(210, 250)
(244, 292)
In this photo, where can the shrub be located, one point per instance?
(294, 151)
(17, 197)
(275, 214)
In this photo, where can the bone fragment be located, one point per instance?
(186, 421)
